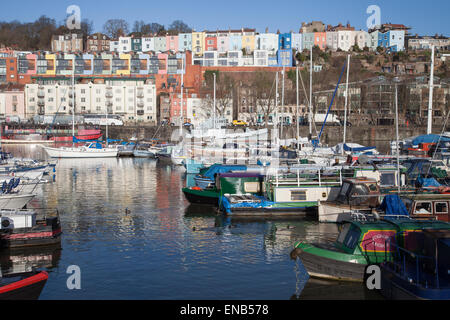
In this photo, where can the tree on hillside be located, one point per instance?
(179, 26)
(115, 28)
(262, 88)
(224, 93)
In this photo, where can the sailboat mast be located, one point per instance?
(282, 105)
(430, 99)
(396, 129)
(182, 87)
(297, 120)
(214, 102)
(346, 103)
(310, 94)
(73, 107)
(275, 123)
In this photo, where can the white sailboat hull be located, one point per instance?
(15, 201)
(81, 152)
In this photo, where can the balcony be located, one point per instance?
(41, 111)
(41, 102)
(72, 94)
(109, 94)
(109, 103)
(140, 104)
(41, 93)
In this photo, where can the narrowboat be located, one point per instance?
(359, 244)
(356, 196)
(24, 228)
(420, 269)
(22, 286)
(287, 194)
(232, 182)
(428, 206)
(206, 177)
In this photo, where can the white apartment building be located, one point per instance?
(267, 41)
(125, 44)
(133, 100)
(148, 44)
(332, 40)
(346, 39)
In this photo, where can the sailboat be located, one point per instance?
(91, 150)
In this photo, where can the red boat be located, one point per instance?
(22, 286)
(32, 136)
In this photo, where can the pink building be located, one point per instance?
(222, 43)
(175, 108)
(12, 100)
(320, 40)
(172, 43)
(162, 60)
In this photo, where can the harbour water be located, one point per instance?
(128, 228)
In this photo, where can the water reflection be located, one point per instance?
(128, 226)
(14, 261)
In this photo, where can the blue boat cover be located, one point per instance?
(361, 149)
(430, 138)
(393, 205)
(226, 205)
(428, 182)
(221, 168)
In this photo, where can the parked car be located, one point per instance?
(239, 123)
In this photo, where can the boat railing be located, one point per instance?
(413, 267)
(307, 176)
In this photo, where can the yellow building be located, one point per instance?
(248, 40)
(51, 64)
(126, 69)
(198, 43)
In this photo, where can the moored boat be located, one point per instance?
(358, 245)
(419, 269)
(22, 286)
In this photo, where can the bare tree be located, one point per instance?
(179, 26)
(115, 28)
(263, 93)
(224, 93)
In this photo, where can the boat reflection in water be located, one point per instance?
(22, 271)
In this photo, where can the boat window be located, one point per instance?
(423, 208)
(387, 179)
(251, 187)
(373, 187)
(408, 203)
(343, 233)
(441, 208)
(352, 238)
(298, 195)
(344, 189)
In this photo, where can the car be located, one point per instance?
(239, 123)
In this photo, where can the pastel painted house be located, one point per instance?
(160, 44)
(172, 43)
(320, 40)
(222, 42)
(148, 44)
(308, 41)
(267, 41)
(185, 41)
(12, 100)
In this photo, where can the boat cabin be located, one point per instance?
(428, 206)
(359, 192)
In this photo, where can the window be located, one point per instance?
(423, 208)
(441, 208)
(387, 179)
(298, 195)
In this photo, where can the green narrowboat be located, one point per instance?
(359, 244)
(226, 183)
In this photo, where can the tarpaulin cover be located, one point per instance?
(361, 149)
(393, 205)
(430, 138)
(220, 168)
(428, 182)
(227, 206)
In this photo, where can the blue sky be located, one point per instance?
(425, 17)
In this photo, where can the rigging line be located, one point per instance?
(436, 148)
